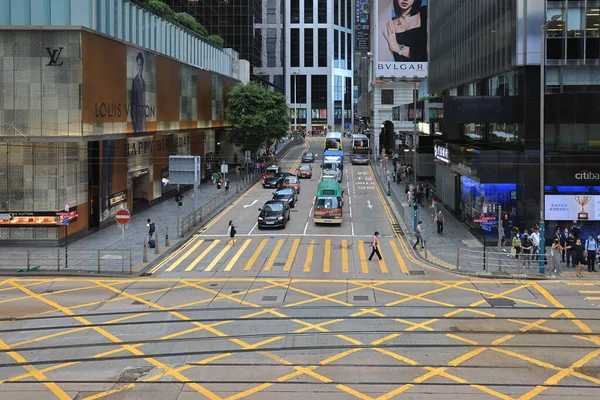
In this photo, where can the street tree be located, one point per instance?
(258, 116)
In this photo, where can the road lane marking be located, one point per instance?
(186, 255)
(399, 257)
(350, 208)
(383, 265)
(252, 259)
(305, 228)
(292, 255)
(173, 255)
(309, 256)
(251, 204)
(230, 207)
(274, 255)
(352, 227)
(363, 258)
(216, 260)
(202, 255)
(253, 228)
(327, 256)
(345, 256)
(237, 255)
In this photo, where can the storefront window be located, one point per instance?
(475, 131)
(505, 133)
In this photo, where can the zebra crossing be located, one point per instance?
(283, 255)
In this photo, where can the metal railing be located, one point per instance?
(107, 260)
(493, 260)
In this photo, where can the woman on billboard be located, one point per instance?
(406, 30)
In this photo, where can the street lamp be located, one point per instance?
(542, 120)
(295, 74)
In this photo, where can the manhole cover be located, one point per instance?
(361, 298)
(235, 291)
(269, 298)
(501, 302)
(416, 272)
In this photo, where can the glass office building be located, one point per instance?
(485, 61)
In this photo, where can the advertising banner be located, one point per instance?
(401, 38)
(572, 207)
(362, 26)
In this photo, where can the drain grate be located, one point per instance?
(269, 298)
(279, 264)
(137, 303)
(500, 302)
(48, 291)
(214, 284)
(416, 272)
(361, 298)
(235, 291)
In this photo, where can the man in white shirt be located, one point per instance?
(535, 240)
(418, 234)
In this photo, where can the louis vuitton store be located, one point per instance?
(91, 131)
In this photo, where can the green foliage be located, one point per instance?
(258, 116)
(431, 96)
(190, 23)
(161, 8)
(216, 40)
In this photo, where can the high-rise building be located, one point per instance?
(318, 63)
(254, 28)
(485, 61)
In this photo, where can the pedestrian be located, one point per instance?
(231, 233)
(526, 249)
(237, 171)
(555, 253)
(227, 184)
(563, 242)
(151, 228)
(439, 220)
(418, 233)
(578, 258)
(570, 246)
(590, 248)
(575, 230)
(535, 240)
(214, 178)
(516, 247)
(375, 245)
(219, 186)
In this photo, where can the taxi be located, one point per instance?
(292, 181)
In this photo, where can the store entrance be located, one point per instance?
(141, 190)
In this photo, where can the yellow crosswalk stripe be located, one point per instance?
(363, 258)
(383, 266)
(216, 260)
(344, 256)
(327, 256)
(274, 255)
(292, 255)
(237, 255)
(309, 256)
(399, 257)
(201, 256)
(184, 256)
(252, 259)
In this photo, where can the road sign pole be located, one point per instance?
(195, 196)
(122, 247)
(67, 209)
(178, 213)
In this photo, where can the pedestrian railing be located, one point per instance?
(57, 260)
(498, 261)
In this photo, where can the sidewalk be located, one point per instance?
(83, 253)
(455, 243)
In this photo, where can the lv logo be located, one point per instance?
(54, 56)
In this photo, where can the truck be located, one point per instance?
(333, 165)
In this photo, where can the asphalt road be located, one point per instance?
(302, 249)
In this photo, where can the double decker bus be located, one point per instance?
(360, 149)
(333, 141)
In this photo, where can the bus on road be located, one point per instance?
(333, 141)
(328, 203)
(360, 149)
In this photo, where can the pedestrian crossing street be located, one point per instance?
(284, 254)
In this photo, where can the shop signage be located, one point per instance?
(54, 56)
(148, 146)
(117, 198)
(572, 207)
(441, 153)
(587, 176)
(102, 110)
(36, 218)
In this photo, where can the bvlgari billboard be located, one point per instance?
(401, 32)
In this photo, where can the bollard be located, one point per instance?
(28, 262)
(156, 249)
(98, 260)
(167, 242)
(457, 257)
(58, 259)
(130, 262)
(145, 256)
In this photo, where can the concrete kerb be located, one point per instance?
(392, 200)
(141, 269)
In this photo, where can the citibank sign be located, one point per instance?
(587, 176)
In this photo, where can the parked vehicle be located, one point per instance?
(274, 214)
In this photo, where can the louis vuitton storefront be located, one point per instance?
(94, 132)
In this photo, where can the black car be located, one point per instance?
(274, 214)
(276, 181)
(286, 194)
(308, 157)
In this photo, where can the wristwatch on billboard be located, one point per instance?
(400, 48)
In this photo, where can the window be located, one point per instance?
(299, 96)
(387, 96)
(295, 47)
(272, 12)
(271, 47)
(348, 93)
(349, 13)
(258, 45)
(343, 48)
(350, 55)
(318, 90)
(336, 12)
(322, 11)
(322, 54)
(308, 11)
(336, 45)
(308, 48)
(337, 88)
(475, 131)
(343, 17)
(295, 11)
(278, 81)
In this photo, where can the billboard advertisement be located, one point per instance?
(401, 38)
(362, 26)
(572, 207)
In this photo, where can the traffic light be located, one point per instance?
(179, 196)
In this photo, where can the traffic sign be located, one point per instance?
(224, 168)
(348, 125)
(123, 216)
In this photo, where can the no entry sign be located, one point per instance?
(123, 217)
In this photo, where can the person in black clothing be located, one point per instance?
(526, 246)
(578, 258)
(563, 242)
(569, 246)
(575, 230)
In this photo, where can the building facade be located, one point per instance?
(490, 82)
(89, 118)
(254, 28)
(319, 63)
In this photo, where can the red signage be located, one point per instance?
(123, 217)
